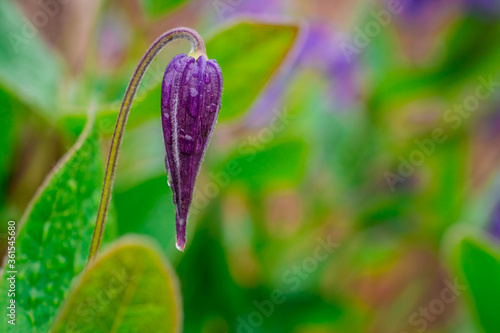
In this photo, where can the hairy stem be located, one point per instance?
(197, 49)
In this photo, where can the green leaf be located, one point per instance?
(29, 70)
(54, 235)
(130, 288)
(156, 8)
(477, 263)
(249, 53)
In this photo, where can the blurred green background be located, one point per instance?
(352, 182)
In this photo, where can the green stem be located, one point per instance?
(197, 49)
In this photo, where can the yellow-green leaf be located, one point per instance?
(129, 288)
(249, 53)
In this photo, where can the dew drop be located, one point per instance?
(177, 66)
(195, 71)
(72, 184)
(169, 179)
(61, 259)
(49, 287)
(50, 265)
(193, 92)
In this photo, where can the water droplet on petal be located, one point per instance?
(195, 71)
(169, 179)
(177, 66)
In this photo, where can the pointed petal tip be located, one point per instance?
(180, 245)
(180, 242)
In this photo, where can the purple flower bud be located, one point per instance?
(190, 103)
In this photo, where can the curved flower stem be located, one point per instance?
(197, 49)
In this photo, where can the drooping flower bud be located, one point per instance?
(190, 103)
